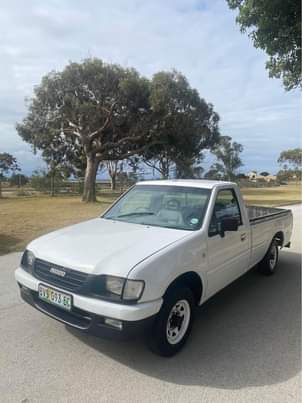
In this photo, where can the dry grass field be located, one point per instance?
(25, 218)
(273, 196)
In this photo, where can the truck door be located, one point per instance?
(228, 255)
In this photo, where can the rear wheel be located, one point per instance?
(269, 263)
(173, 323)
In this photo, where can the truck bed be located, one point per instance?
(258, 213)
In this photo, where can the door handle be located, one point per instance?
(242, 237)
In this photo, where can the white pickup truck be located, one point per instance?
(163, 248)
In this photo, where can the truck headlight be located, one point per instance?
(127, 290)
(28, 260)
(114, 285)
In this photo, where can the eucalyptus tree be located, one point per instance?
(292, 157)
(114, 169)
(8, 163)
(185, 123)
(92, 111)
(275, 27)
(291, 163)
(228, 159)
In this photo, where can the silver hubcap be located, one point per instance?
(178, 321)
(273, 257)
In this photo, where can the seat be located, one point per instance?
(170, 216)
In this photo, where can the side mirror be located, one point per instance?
(228, 224)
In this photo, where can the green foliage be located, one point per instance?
(291, 164)
(93, 112)
(228, 160)
(274, 26)
(185, 123)
(8, 163)
(87, 113)
(188, 168)
(292, 157)
(264, 173)
(18, 180)
(87, 108)
(216, 172)
(198, 171)
(288, 175)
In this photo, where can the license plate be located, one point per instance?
(55, 297)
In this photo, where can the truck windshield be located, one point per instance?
(175, 207)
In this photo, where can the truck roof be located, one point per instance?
(197, 183)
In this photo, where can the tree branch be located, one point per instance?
(121, 156)
(153, 166)
(74, 126)
(94, 134)
(127, 139)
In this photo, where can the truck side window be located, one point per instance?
(226, 205)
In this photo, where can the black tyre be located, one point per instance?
(173, 323)
(269, 263)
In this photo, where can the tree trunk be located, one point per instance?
(113, 181)
(164, 168)
(0, 188)
(52, 184)
(112, 167)
(89, 195)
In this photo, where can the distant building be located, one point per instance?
(254, 177)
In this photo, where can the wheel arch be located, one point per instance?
(190, 279)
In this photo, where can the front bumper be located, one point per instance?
(88, 314)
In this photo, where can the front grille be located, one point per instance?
(72, 280)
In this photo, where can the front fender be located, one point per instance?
(162, 268)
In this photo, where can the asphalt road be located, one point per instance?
(245, 347)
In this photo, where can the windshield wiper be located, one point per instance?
(135, 214)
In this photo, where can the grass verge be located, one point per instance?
(273, 196)
(24, 218)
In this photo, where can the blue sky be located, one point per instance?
(198, 38)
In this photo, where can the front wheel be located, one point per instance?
(173, 323)
(269, 263)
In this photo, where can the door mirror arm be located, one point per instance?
(221, 230)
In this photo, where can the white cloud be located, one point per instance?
(199, 38)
